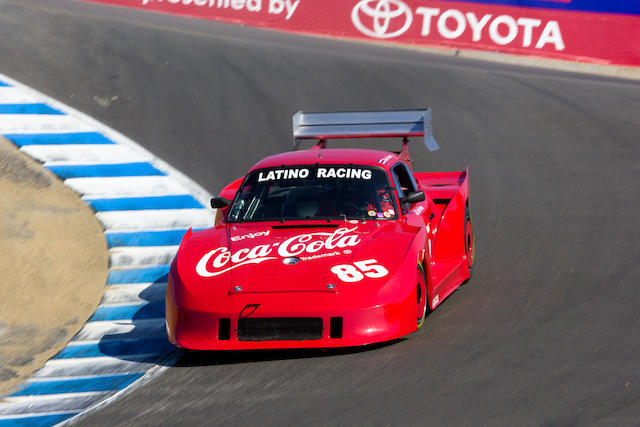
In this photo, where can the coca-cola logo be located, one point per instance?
(382, 19)
(221, 260)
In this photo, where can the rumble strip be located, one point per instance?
(145, 207)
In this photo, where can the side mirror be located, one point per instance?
(414, 197)
(220, 202)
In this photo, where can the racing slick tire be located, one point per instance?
(469, 241)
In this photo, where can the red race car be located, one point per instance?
(324, 247)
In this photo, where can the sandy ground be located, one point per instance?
(53, 265)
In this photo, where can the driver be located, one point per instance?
(353, 199)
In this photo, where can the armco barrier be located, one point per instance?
(597, 31)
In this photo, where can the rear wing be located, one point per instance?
(364, 124)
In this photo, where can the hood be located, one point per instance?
(290, 257)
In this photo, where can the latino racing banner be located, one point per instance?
(597, 31)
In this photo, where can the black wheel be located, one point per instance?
(422, 307)
(469, 240)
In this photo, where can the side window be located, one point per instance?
(403, 181)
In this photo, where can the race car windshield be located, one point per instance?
(314, 192)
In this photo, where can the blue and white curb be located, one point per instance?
(145, 207)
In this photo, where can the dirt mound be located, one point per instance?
(53, 266)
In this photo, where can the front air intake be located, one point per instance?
(224, 329)
(279, 328)
(335, 328)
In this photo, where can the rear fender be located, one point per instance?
(449, 241)
(448, 192)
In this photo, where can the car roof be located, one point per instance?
(330, 156)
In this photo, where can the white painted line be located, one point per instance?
(141, 255)
(51, 402)
(81, 153)
(76, 343)
(105, 330)
(96, 331)
(162, 219)
(134, 293)
(125, 186)
(41, 123)
(12, 95)
(95, 366)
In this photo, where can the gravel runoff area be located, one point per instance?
(53, 265)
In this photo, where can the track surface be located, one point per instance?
(547, 332)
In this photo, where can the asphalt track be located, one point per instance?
(547, 332)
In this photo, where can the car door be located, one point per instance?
(419, 214)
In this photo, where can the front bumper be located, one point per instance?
(331, 326)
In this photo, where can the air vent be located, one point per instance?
(279, 328)
(224, 329)
(335, 329)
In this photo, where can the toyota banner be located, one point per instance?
(596, 31)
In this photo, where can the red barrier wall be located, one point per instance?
(605, 38)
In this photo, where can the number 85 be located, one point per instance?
(354, 273)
